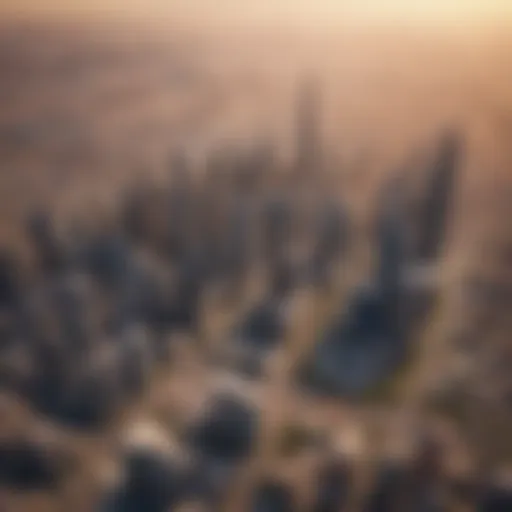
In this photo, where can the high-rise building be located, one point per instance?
(307, 127)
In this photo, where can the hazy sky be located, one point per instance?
(263, 11)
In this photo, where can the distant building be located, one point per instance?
(308, 149)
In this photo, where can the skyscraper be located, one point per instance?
(307, 127)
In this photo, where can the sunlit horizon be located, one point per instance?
(454, 13)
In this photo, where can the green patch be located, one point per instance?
(389, 390)
(295, 438)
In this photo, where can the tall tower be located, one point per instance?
(307, 128)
